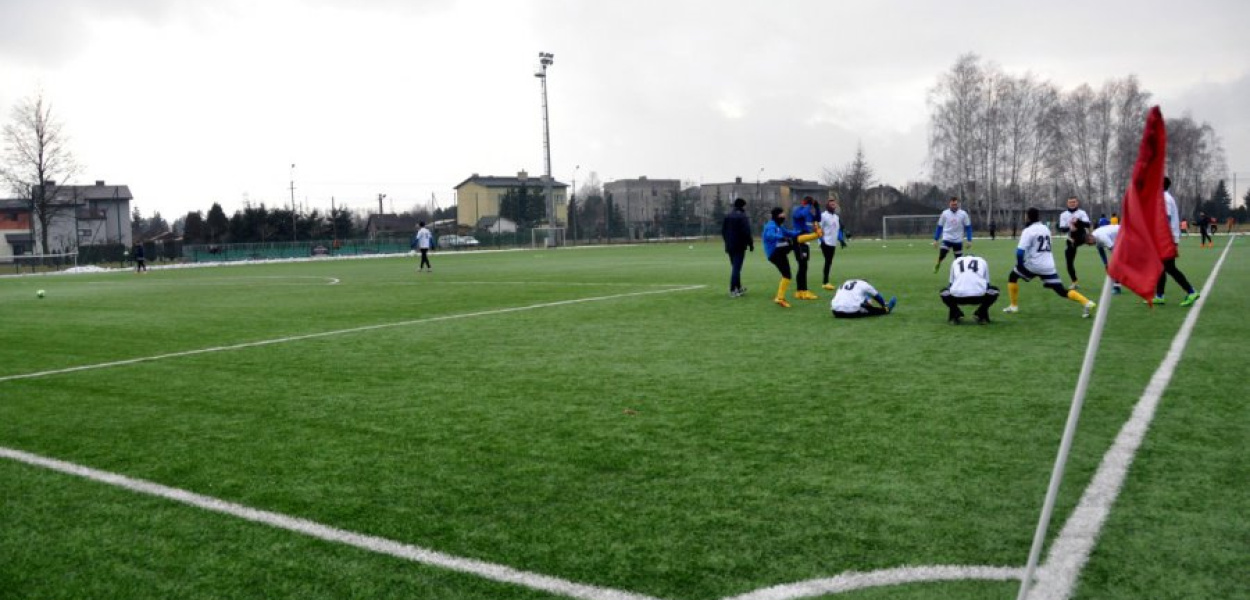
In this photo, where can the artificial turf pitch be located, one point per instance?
(586, 414)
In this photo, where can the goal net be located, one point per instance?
(908, 226)
(34, 263)
(546, 237)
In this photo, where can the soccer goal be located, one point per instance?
(35, 263)
(908, 226)
(546, 237)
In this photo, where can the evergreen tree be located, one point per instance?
(217, 226)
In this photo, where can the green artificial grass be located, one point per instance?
(679, 444)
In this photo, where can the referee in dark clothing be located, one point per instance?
(736, 230)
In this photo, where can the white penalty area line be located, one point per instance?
(417, 554)
(1057, 578)
(309, 336)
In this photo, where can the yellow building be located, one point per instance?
(479, 197)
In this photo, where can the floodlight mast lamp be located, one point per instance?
(545, 59)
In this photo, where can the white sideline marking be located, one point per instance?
(1056, 580)
(851, 580)
(309, 336)
(492, 571)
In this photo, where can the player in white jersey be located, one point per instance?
(422, 241)
(855, 299)
(1034, 258)
(1169, 265)
(830, 235)
(1104, 239)
(952, 227)
(970, 284)
(1075, 223)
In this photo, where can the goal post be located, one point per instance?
(908, 226)
(546, 237)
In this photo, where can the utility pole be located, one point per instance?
(293, 229)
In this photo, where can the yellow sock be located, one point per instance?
(781, 288)
(1013, 290)
(1076, 296)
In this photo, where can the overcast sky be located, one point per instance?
(195, 101)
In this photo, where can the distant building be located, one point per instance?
(642, 202)
(86, 215)
(481, 196)
(763, 194)
(496, 225)
(390, 226)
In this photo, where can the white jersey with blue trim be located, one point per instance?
(953, 224)
(852, 294)
(1038, 257)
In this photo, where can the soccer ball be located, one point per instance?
(692, 247)
(39, 293)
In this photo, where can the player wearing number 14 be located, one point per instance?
(1034, 258)
(970, 284)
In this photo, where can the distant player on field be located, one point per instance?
(830, 234)
(1169, 265)
(855, 298)
(1034, 258)
(952, 227)
(970, 284)
(1104, 238)
(421, 241)
(1075, 223)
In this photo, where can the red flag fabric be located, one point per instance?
(1145, 239)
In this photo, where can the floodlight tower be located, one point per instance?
(545, 59)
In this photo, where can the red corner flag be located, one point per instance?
(1145, 239)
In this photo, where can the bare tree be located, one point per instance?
(851, 183)
(36, 157)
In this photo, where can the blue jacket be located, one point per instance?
(773, 235)
(804, 217)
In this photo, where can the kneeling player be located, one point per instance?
(970, 284)
(1034, 258)
(855, 299)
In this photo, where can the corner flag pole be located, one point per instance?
(1074, 415)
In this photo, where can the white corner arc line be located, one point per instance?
(852, 580)
(1057, 578)
(309, 336)
(417, 554)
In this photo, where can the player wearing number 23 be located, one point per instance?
(855, 299)
(1034, 258)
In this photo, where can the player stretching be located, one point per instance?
(1104, 238)
(778, 242)
(1075, 223)
(951, 223)
(854, 300)
(1034, 258)
(970, 284)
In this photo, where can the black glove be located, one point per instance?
(843, 242)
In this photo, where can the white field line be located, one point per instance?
(851, 580)
(309, 336)
(417, 554)
(1057, 578)
(218, 280)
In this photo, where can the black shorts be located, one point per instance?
(1027, 275)
(955, 246)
